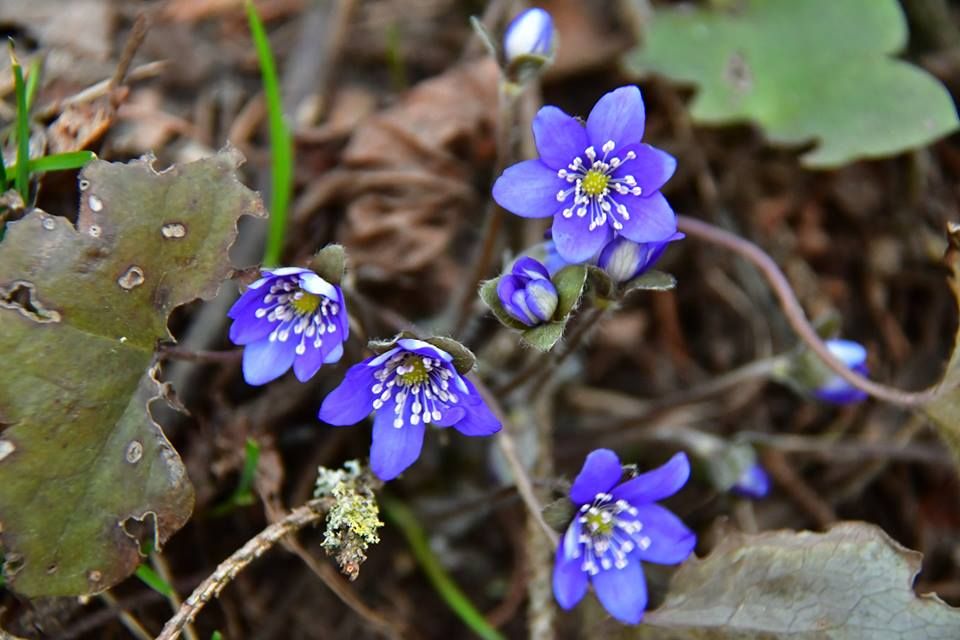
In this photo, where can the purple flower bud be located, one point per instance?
(624, 260)
(527, 293)
(530, 33)
(833, 388)
(754, 483)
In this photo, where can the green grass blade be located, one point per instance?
(404, 519)
(216, 636)
(281, 143)
(61, 161)
(153, 580)
(33, 82)
(22, 175)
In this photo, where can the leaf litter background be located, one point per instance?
(395, 153)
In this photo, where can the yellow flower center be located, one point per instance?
(599, 526)
(413, 371)
(306, 303)
(594, 183)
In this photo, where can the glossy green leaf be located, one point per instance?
(853, 581)
(86, 476)
(816, 70)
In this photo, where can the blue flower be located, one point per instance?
(409, 386)
(753, 483)
(833, 388)
(290, 316)
(527, 293)
(597, 181)
(624, 260)
(530, 33)
(618, 526)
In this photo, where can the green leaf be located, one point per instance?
(59, 162)
(85, 473)
(330, 263)
(22, 175)
(652, 280)
(603, 285)
(281, 142)
(488, 293)
(812, 70)
(569, 282)
(153, 580)
(544, 336)
(852, 582)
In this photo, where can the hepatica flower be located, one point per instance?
(289, 317)
(597, 181)
(624, 260)
(835, 389)
(409, 386)
(527, 293)
(616, 528)
(753, 483)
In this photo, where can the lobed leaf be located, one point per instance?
(814, 70)
(86, 476)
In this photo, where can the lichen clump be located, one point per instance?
(354, 518)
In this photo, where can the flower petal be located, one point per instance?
(343, 317)
(529, 189)
(651, 218)
(306, 365)
(656, 484)
(266, 360)
(449, 415)
(651, 168)
(559, 137)
(530, 267)
(618, 116)
(601, 471)
(622, 592)
(335, 354)
(247, 302)
(424, 349)
(393, 449)
(352, 400)
(569, 579)
(671, 542)
(574, 240)
(478, 419)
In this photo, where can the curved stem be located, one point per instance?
(796, 315)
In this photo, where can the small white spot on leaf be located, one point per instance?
(6, 448)
(173, 230)
(49, 224)
(96, 204)
(134, 452)
(84, 185)
(94, 230)
(132, 278)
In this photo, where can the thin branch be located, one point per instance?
(163, 569)
(795, 313)
(127, 619)
(228, 569)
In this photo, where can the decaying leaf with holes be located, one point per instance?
(85, 473)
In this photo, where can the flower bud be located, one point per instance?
(624, 260)
(754, 483)
(834, 389)
(529, 34)
(527, 294)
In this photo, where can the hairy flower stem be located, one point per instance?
(507, 116)
(796, 315)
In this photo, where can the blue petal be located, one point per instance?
(601, 471)
(617, 116)
(671, 542)
(530, 268)
(541, 299)
(651, 168)
(335, 354)
(753, 483)
(343, 317)
(449, 415)
(352, 400)
(559, 137)
(393, 449)
(529, 189)
(651, 218)
(264, 361)
(569, 579)
(247, 303)
(424, 349)
(575, 242)
(312, 283)
(508, 288)
(306, 365)
(622, 592)
(250, 329)
(478, 419)
(657, 484)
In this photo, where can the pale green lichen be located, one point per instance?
(353, 520)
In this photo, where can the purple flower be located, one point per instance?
(527, 293)
(290, 316)
(833, 388)
(409, 386)
(597, 181)
(618, 526)
(624, 260)
(754, 483)
(530, 33)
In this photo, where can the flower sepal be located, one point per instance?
(463, 359)
(330, 263)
